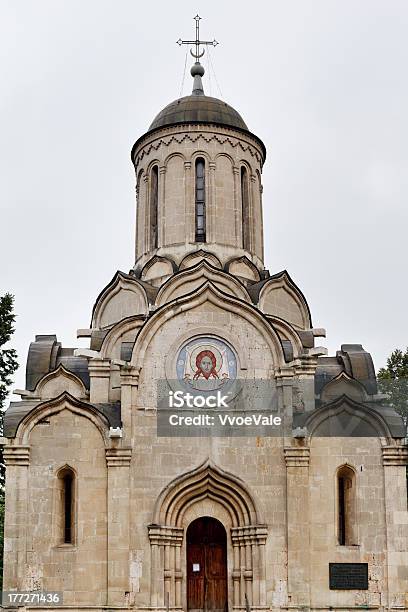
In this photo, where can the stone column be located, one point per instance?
(253, 209)
(16, 459)
(99, 374)
(178, 574)
(129, 380)
(236, 575)
(262, 573)
(211, 216)
(395, 459)
(260, 224)
(189, 202)
(118, 462)
(305, 370)
(249, 573)
(284, 383)
(137, 226)
(238, 208)
(146, 216)
(297, 505)
(165, 565)
(161, 208)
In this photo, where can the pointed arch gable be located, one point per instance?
(193, 257)
(346, 417)
(110, 348)
(342, 385)
(207, 292)
(157, 267)
(242, 266)
(64, 379)
(287, 332)
(280, 296)
(185, 281)
(207, 480)
(122, 297)
(51, 407)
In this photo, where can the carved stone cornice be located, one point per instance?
(305, 365)
(163, 534)
(395, 455)
(284, 375)
(99, 368)
(16, 455)
(297, 456)
(249, 534)
(129, 376)
(193, 136)
(118, 457)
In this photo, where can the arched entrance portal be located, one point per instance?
(206, 566)
(207, 491)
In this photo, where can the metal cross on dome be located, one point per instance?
(197, 42)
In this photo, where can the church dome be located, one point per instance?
(199, 109)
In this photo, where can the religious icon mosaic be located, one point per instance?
(206, 363)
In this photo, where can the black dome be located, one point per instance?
(199, 109)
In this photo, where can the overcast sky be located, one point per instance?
(322, 82)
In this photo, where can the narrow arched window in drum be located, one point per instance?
(245, 208)
(200, 201)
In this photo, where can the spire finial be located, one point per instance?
(197, 70)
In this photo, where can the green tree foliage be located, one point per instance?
(1, 537)
(8, 365)
(393, 380)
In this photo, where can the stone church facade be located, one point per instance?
(101, 508)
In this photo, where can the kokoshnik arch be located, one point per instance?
(100, 508)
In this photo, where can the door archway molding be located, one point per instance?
(248, 535)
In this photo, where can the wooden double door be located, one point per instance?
(206, 566)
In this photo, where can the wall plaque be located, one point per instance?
(348, 576)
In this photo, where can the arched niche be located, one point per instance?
(346, 506)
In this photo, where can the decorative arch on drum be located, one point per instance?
(207, 292)
(187, 280)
